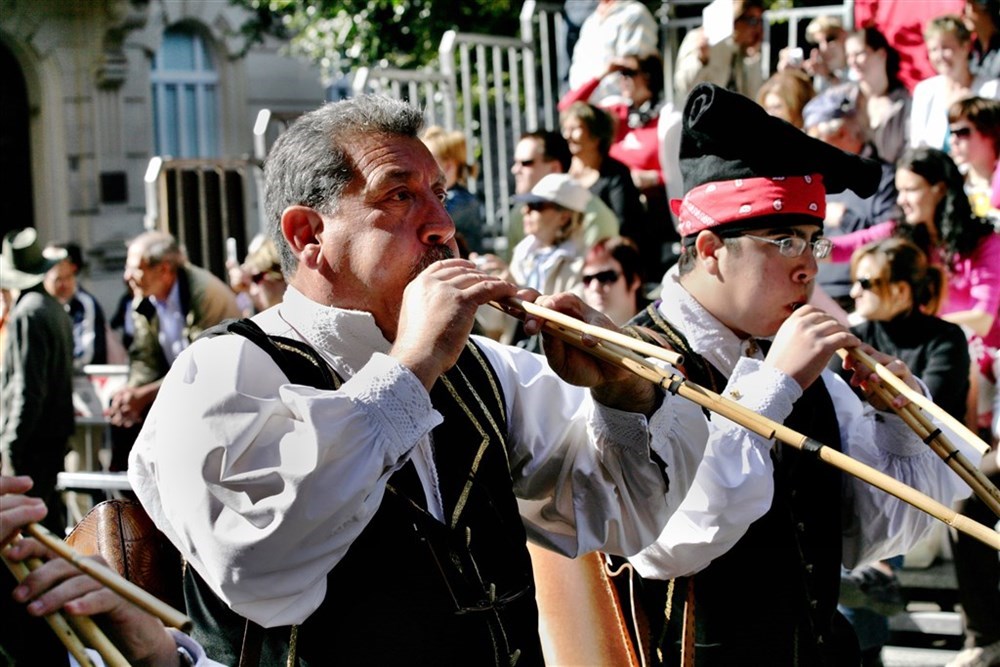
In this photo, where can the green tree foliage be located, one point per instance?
(340, 35)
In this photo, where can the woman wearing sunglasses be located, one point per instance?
(612, 280)
(896, 292)
(974, 127)
(549, 258)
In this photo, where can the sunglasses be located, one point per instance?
(629, 72)
(965, 131)
(539, 206)
(258, 278)
(608, 277)
(752, 21)
(867, 283)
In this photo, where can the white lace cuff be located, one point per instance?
(397, 398)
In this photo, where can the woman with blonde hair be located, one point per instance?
(785, 95)
(450, 151)
(949, 46)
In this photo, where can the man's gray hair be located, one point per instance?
(310, 166)
(158, 247)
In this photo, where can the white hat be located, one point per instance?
(558, 189)
(22, 262)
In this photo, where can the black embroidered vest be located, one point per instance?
(412, 590)
(770, 600)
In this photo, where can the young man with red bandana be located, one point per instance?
(750, 570)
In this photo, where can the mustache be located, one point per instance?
(434, 254)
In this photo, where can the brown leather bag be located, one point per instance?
(124, 535)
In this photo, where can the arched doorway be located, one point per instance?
(15, 146)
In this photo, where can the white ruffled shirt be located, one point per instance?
(263, 485)
(734, 485)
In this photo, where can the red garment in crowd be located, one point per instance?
(903, 24)
(636, 148)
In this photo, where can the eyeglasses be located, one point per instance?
(794, 246)
(964, 131)
(608, 277)
(867, 283)
(525, 163)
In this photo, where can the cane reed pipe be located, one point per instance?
(56, 620)
(89, 633)
(772, 430)
(911, 413)
(518, 307)
(925, 403)
(112, 580)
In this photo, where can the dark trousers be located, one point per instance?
(978, 571)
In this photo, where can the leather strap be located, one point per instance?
(687, 636)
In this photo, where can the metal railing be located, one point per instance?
(202, 203)
(795, 17)
(491, 87)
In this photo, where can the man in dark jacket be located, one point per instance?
(36, 381)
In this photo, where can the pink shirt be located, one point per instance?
(974, 284)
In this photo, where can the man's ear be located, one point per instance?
(707, 245)
(301, 227)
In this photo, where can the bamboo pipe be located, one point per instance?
(923, 427)
(56, 620)
(112, 580)
(912, 415)
(517, 307)
(925, 403)
(90, 633)
(771, 430)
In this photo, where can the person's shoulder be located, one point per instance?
(204, 284)
(615, 168)
(930, 86)
(634, 10)
(36, 303)
(940, 330)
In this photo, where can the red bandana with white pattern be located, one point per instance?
(725, 202)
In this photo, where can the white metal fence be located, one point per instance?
(494, 88)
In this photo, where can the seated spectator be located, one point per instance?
(536, 155)
(982, 18)
(90, 340)
(897, 293)
(974, 127)
(949, 45)
(733, 63)
(834, 117)
(882, 96)
(263, 267)
(785, 94)
(548, 259)
(616, 28)
(589, 132)
(612, 279)
(449, 149)
(827, 61)
(636, 145)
